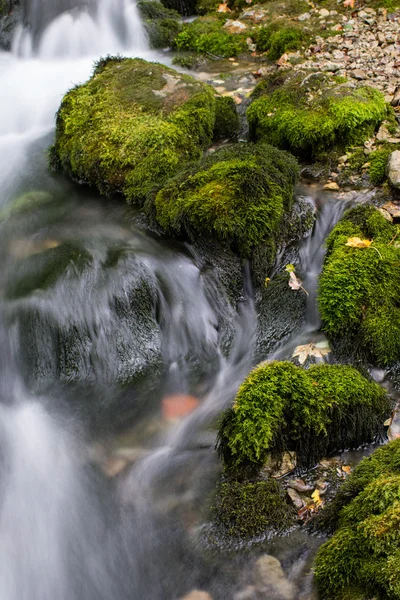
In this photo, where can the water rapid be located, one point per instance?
(66, 531)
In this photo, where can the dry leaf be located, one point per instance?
(317, 498)
(357, 242)
(346, 469)
(294, 281)
(266, 282)
(318, 350)
(223, 8)
(349, 3)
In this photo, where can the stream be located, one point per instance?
(70, 350)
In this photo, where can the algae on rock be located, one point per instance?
(280, 407)
(359, 289)
(311, 115)
(133, 125)
(363, 555)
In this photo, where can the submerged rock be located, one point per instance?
(146, 121)
(272, 580)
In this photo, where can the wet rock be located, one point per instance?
(295, 498)
(249, 593)
(235, 26)
(10, 17)
(271, 579)
(393, 169)
(300, 486)
(331, 186)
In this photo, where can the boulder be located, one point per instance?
(270, 577)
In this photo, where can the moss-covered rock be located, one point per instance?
(378, 161)
(280, 407)
(131, 126)
(227, 122)
(162, 25)
(364, 553)
(237, 194)
(279, 37)
(207, 35)
(312, 115)
(251, 508)
(359, 289)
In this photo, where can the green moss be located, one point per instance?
(131, 126)
(378, 161)
(204, 7)
(162, 25)
(237, 194)
(249, 509)
(364, 553)
(278, 37)
(359, 288)
(280, 407)
(188, 60)
(207, 36)
(226, 119)
(310, 118)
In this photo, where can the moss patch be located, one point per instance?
(237, 194)
(279, 37)
(226, 119)
(207, 35)
(131, 126)
(280, 407)
(162, 24)
(364, 553)
(359, 289)
(249, 509)
(309, 117)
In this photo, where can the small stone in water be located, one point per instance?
(300, 486)
(295, 498)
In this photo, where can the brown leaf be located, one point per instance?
(223, 8)
(318, 350)
(294, 281)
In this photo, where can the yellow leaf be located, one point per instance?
(346, 468)
(266, 282)
(357, 242)
(317, 498)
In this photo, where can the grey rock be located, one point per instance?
(393, 169)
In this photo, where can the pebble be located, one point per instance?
(331, 186)
(295, 498)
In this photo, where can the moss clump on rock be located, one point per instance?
(226, 119)
(238, 194)
(364, 553)
(131, 126)
(278, 38)
(359, 289)
(249, 509)
(207, 35)
(162, 24)
(280, 407)
(378, 161)
(312, 115)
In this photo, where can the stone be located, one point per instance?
(392, 208)
(386, 215)
(393, 169)
(295, 498)
(358, 74)
(323, 13)
(300, 486)
(383, 133)
(270, 577)
(396, 97)
(304, 17)
(331, 186)
(287, 464)
(197, 595)
(235, 26)
(331, 66)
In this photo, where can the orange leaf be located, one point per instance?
(223, 8)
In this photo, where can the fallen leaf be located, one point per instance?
(349, 3)
(317, 498)
(290, 268)
(303, 352)
(388, 422)
(294, 281)
(267, 280)
(223, 8)
(346, 469)
(356, 242)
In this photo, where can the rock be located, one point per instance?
(269, 576)
(383, 133)
(358, 74)
(235, 26)
(393, 209)
(323, 13)
(386, 214)
(300, 486)
(250, 592)
(331, 186)
(330, 66)
(285, 465)
(177, 406)
(393, 169)
(114, 466)
(295, 498)
(304, 17)
(396, 97)
(197, 595)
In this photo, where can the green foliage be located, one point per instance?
(162, 24)
(187, 60)
(207, 36)
(280, 407)
(364, 553)
(310, 118)
(246, 510)
(204, 7)
(226, 118)
(237, 194)
(131, 126)
(279, 37)
(378, 161)
(359, 288)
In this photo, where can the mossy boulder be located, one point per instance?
(279, 37)
(134, 124)
(359, 288)
(280, 407)
(162, 25)
(238, 194)
(227, 122)
(251, 508)
(364, 553)
(312, 115)
(207, 35)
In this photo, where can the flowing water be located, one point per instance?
(70, 350)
